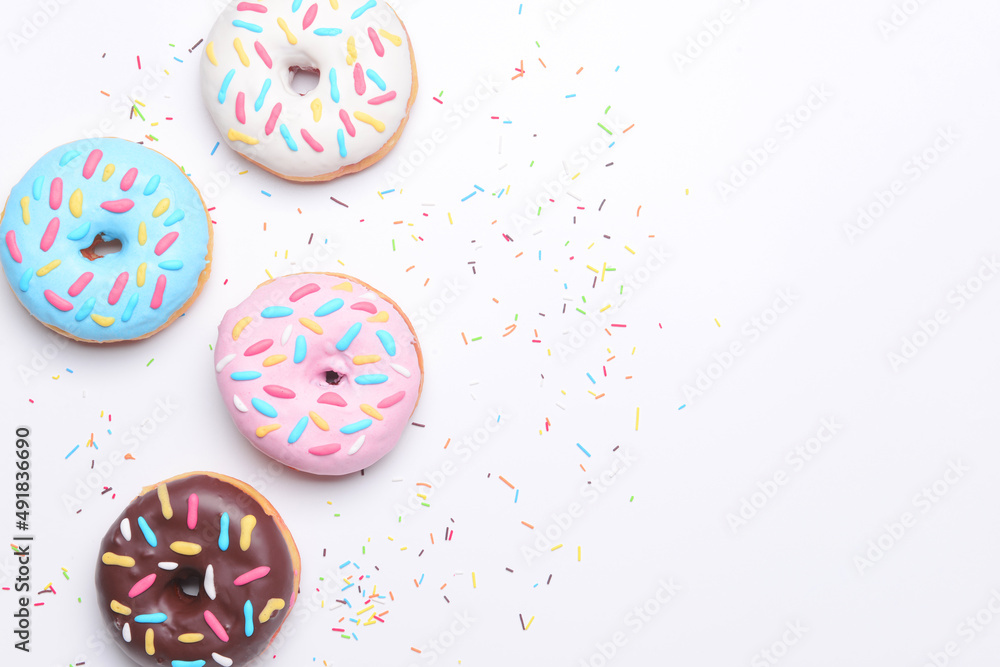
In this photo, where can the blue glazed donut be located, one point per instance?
(90, 191)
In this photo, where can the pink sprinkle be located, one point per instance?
(119, 287)
(55, 193)
(366, 306)
(258, 347)
(391, 400)
(128, 179)
(315, 145)
(50, 235)
(376, 42)
(278, 391)
(165, 243)
(264, 55)
(80, 283)
(92, 161)
(118, 205)
(142, 585)
(330, 398)
(192, 511)
(305, 290)
(324, 450)
(382, 99)
(359, 79)
(251, 7)
(310, 17)
(138, 62)
(57, 301)
(348, 125)
(252, 575)
(12, 248)
(213, 622)
(241, 114)
(275, 112)
(161, 284)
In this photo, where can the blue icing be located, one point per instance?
(295, 5)
(264, 408)
(147, 532)
(375, 378)
(373, 75)
(300, 349)
(334, 90)
(356, 426)
(243, 376)
(224, 531)
(225, 85)
(276, 311)
(362, 9)
(297, 431)
(341, 143)
(349, 337)
(388, 342)
(327, 32)
(248, 615)
(329, 307)
(263, 93)
(288, 138)
(151, 186)
(133, 317)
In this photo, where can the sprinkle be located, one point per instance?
(48, 267)
(247, 524)
(114, 559)
(146, 531)
(191, 638)
(119, 608)
(356, 446)
(370, 411)
(252, 575)
(273, 605)
(248, 615)
(222, 660)
(583, 450)
(288, 138)
(252, 27)
(365, 118)
(141, 587)
(185, 548)
(324, 450)
(376, 79)
(315, 145)
(264, 430)
(356, 426)
(225, 86)
(296, 433)
(125, 526)
(216, 626)
(396, 40)
(151, 618)
(388, 342)
(349, 337)
(236, 135)
(291, 40)
(364, 8)
(276, 311)
(164, 496)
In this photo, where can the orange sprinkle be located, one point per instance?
(397, 222)
(636, 212)
(598, 396)
(528, 525)
(506, 482)
(628, 128)
(418, 586)
(426, 281)
(105, 94)
(464, 338)
(415, 650)
(543, 63)
(442, 586)
(432, 538)
(424, 484)
(446, 444)
(414, 266)
(518, 255)
(579, 70)
(495, 300)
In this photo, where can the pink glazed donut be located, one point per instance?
(320, 371)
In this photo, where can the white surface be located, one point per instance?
(784, 230)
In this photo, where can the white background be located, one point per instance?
(855, 298)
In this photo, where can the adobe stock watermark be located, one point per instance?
(929, 328)
(39, 17)
(785, 129)
(437, 646)
(40, 359)
(795, 460)
(779, 648)
(712, 30)
(635, 621)
(550, 535)
(967, 631)
(923, 502)
(899, 16)
(439, 305)
(562, 12)
(914, 168)
(751, 332)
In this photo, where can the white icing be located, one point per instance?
(240, 405)
(209, 582)
(311, 51)
(126, 529)
(167, 565)
(357, 445)
(402, 370)
(222, 660)
(224, 362)
(285, 335)
(126, 633)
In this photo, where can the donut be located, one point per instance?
(94, 190)
(352, 118)
(199, 569)
(320, 371)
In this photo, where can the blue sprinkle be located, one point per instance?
(373, 75)
(334, 90)
(187, 663)
(264, 408)
(583, 450)
(265, 192)
(276, 311)
(288, 137)
(174, 218)
(252, 27)
(79, 232)
(248, 615)
(385, 192)
(85, 309)
(25, 279)
(468, 196)
(71, 452)
(517, 492)
(224, 531)
(349, 337)
(300, 350)
(180, 61)
(478, 188)
(327, 32)
(147, 532)
(260, 98)
(295, 5)
(130, 307)
(225, 86)
(241, 376)
(388, 342)
(171, 265)
(297, 431)
(375, 378)
(215, 148)
(356, 426)
(340, 142)
(591, 378)
(364, 8)
(569, 96)
(618, 68)
(68, 157)
(150, 618)
(329, 307)
(36, 187)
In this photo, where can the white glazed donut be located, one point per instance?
(367, 84)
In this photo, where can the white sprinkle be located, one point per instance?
(209, 583)
(560, 406)
(474, 383)
(222, 660)
(167, 565)
(126, 530)
(126, 633)
(397, 479)
(286, 334)
(573, 195)
(224, 362)
(356, 446)
(240, 405)
(401, 370)
(367, 296)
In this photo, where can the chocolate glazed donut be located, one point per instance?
(198, 570)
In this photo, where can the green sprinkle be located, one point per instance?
(152, 137)
(137, 112)
(537, 44)
(631, 499)
(539, 210)
(362, 550)
(169, 44)
(583, 298)
(607, 110)
(582, 311)
(604, 128)
(345, 636)
(610, 269)
(515, 317)
(150, 361)
(336, 515)
(394, 245)
(532, 164)
(425, 504)
(473, 340)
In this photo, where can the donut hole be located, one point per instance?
(333, 377)
(187, 585)
(101, 247)
(302, 79)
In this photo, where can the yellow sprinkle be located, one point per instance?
(114, 559)
(140, 275)
(190, 637)
(717, 322)
(317, 109)
(267, 428)
(473, 579)
(240, 326)
(370, 411)
(164, 496)
(344, 287)
(247, 524)
(395, 39)
(274, 359)
(319, 421)
(48, 267)
(368, 608)
(333, 3)
(76, 203)
(142, 233)
(24, 210)
(236, 135)
(119, 608)
(365, 118)
(210, 52)
(630, 250)
(241, 53)
(312, 326)
(366, 359)
(284, 26)
(592, 269)
(605, 308)
(150, 649)
(103, 320)
(352, 51)
(161, 208)
(381, 316)
(108, 170)
(273, 605)
(185, 548)
(529, 622)
(555, 547)
(579, 554)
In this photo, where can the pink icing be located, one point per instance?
(217, 628)
(15, 252)
(128, 180)
(49, 237)
(55, 193)
(376, 42)
(310, 16)
(264, 55)
(118, 288)
(300, 393)
(92, 161)
(142, 585)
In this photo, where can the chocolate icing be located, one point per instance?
(185, 614)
